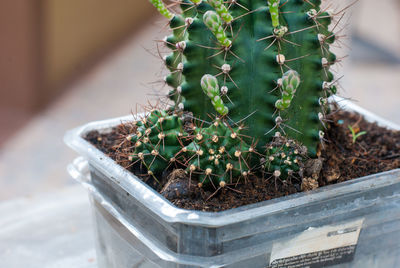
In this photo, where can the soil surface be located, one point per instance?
(342, 159)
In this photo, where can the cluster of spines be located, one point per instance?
(284, 157)
(214, 155)
(157, 142)
(218, 155)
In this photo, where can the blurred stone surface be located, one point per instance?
(373, 82)
(47, 231)
(378, 21)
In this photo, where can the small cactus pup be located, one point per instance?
(271, 59)
(289, 84)
(210, 87)
(158, 140)
(284, 157)
(218, 155)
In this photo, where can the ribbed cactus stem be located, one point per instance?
(289, 84)
(265, 63)
(221, 9)
(162, 9)
(210, 87)
(274, 11)
(264, 40)
(213, 22)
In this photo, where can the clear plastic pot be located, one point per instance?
(350, 224)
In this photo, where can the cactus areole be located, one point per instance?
(262, 64)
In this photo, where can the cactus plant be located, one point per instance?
(264, 63)
(284, 157)
(219, 155)
(157, 141)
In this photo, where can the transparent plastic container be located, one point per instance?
(350, 224)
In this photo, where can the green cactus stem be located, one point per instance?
(210, 87)
(221, 9)
(267, 42)
(274, 12)
(162, 9)
(197, 2)
(214, 23)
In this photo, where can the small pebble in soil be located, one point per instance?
(177, 185)
(309, 184)
(313, 168)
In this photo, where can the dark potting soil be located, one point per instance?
(342, 159)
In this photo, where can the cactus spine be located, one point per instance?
(260, 62)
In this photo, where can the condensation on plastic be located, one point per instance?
(137, 227)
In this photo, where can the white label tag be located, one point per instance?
(328, 245)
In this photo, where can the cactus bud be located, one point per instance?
(274, 11)
(221, 9)
(290, 83)
(213, 22)
(210, 87)
(162, 9)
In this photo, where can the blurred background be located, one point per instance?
(66, 62)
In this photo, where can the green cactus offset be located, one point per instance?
(262, 63)
(158, 140)
(218, 155)
(284, 157)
